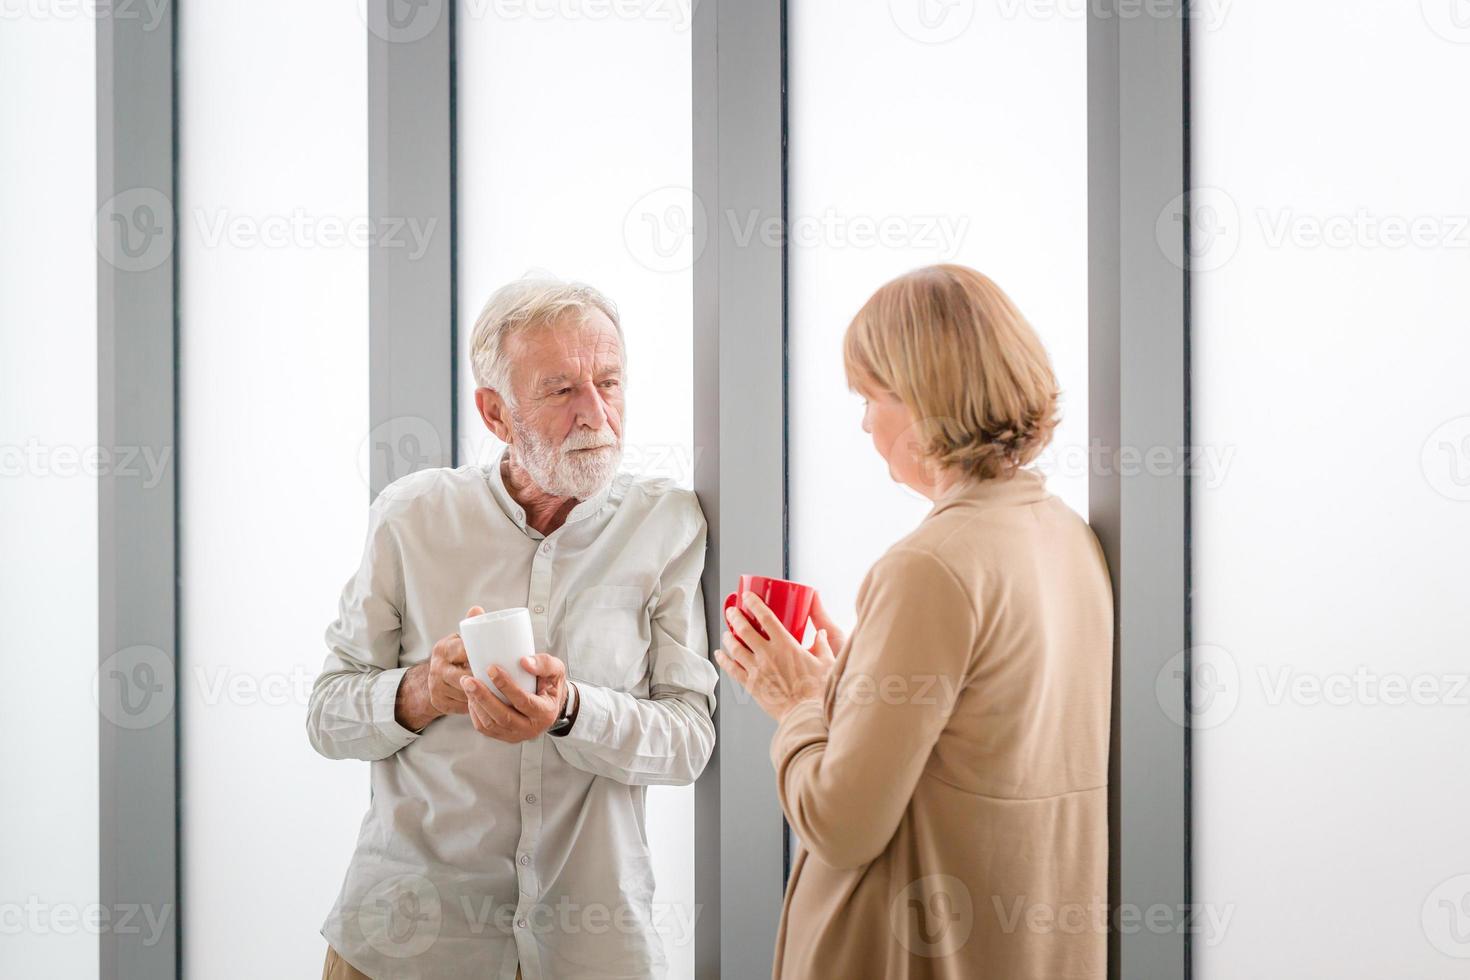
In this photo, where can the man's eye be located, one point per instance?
(562, 391)
(610, 383)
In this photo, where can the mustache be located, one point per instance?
(588, 439)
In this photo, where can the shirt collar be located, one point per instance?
(517, 513)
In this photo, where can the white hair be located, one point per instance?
(534, 299)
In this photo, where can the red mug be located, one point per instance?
(790, 601)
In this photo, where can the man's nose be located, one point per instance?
(589, 407)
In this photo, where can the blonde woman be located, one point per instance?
(945, 766)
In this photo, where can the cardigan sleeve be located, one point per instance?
(845, 773)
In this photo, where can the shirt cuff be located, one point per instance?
(803, 724)
(594, 720)
(385, 707)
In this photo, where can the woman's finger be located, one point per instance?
(737, 653)
(741, 626)
(767, 619)
(730, 667)
(822, 649)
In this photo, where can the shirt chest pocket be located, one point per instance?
(608, 634)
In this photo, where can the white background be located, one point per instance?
(274, 405)
(976, 124)
(1331, 828)
(48, 504)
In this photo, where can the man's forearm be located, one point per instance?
(412, 708)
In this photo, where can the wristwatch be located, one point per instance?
(563, 724)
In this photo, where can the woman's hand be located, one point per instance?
(836, 636)
(778, 672)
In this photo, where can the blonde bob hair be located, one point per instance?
(953, 348)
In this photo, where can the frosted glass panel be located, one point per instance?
(49, 460)
(274, 402)
(575, 158)
(1330, 347)
(920, 134)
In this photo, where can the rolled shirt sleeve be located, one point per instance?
(666, 738)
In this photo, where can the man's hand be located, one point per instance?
(432, 689)
(527, 715)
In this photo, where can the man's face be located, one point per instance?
(567, 423)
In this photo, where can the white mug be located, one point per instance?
(501, 639)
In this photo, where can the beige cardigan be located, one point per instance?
(950, 795)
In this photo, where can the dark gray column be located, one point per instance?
(739, 441)
(1138, 389)
(137, 615)
(411, 353)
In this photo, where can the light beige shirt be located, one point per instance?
(476, 855)
(950, 793)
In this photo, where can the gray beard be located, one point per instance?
(560, 472)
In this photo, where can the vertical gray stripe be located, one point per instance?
(740, 455)
(410, 260)
(137, 679)
(1137, 333)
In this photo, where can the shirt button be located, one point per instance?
(520, 923)
(546, 548)
(525, 860)
(530, 797)
(538, 609)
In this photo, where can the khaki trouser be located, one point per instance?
(336, 968)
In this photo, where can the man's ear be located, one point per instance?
(495, 413)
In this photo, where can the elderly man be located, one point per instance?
(505, 837)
